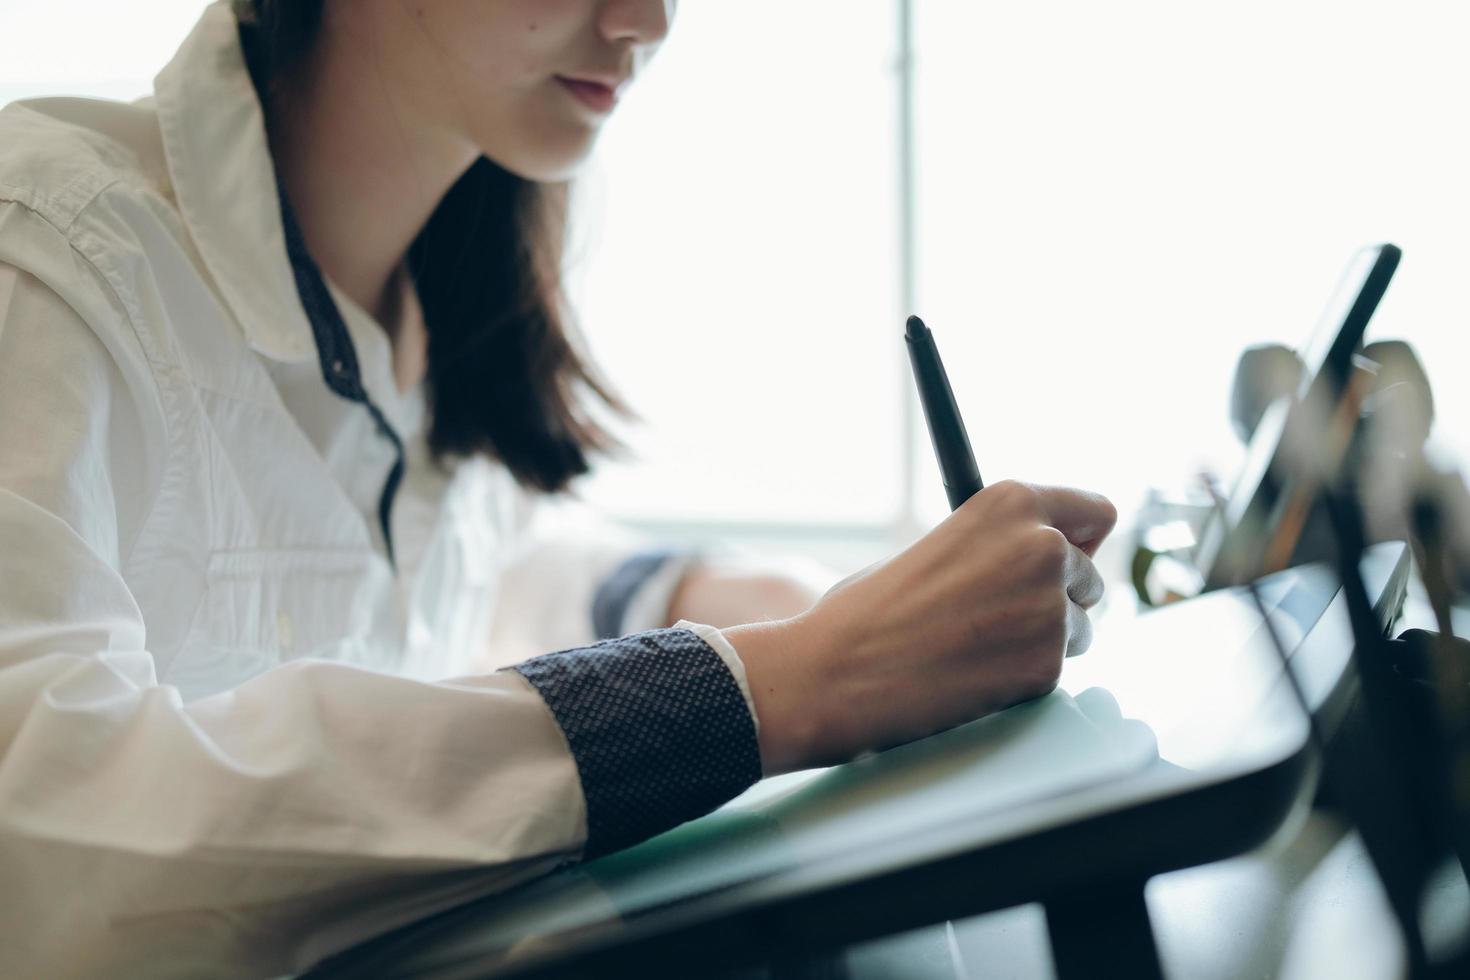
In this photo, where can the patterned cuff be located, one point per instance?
(658, 726)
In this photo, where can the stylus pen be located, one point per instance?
(946, 429)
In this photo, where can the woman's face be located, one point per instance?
(528, 82)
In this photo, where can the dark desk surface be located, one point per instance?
(1306, 905)
(1173, 744)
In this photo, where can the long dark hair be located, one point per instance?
(505, 376)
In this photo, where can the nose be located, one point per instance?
(644, 23)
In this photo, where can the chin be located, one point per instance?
(545, 161)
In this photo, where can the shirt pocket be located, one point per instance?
(262, 608)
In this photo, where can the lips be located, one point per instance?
(596, 95)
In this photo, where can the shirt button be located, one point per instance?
(284, 633)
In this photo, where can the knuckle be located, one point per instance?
(1050, 550)
(1016, 495)
(1087, 584)
(1081, 637)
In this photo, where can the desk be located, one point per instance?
(1194, 751)
(1306, 905)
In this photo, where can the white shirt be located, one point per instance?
(227, 744)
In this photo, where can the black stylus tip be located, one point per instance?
(915, 328)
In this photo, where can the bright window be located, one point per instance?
(740, 267)
(1116, 198)
(1111, 201)
(99, 48)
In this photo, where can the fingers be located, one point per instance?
(1079, 630)
(1084, 590)
(1085, 518)
(1084, 582)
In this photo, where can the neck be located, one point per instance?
(362, 171)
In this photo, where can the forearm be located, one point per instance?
(727, 595)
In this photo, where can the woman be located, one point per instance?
(283, 370)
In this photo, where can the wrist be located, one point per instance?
(786, 668)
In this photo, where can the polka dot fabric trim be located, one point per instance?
(658, 727)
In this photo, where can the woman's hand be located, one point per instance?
(975, 616)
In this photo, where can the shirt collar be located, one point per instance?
(219, 161)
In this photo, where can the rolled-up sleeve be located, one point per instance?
(263, 827)
(572, 577)
(638, 593)
(659, 724)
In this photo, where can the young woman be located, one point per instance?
(283, 370)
